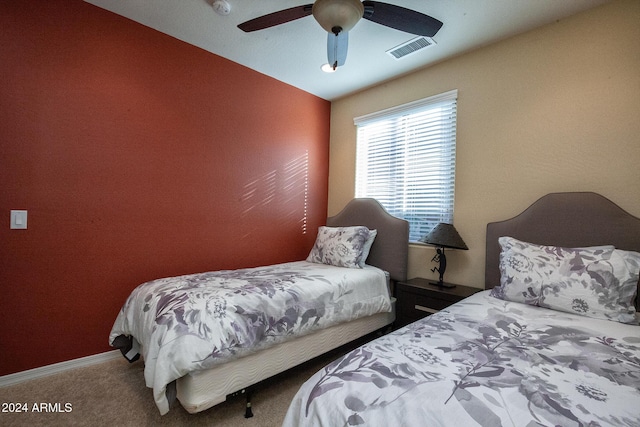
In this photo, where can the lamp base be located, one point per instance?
(443, 285)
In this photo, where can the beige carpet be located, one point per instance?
(113, 394)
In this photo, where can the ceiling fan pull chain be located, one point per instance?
(335, 30)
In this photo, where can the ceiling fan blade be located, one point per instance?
(276, 18)
(337, 45)
(400, 18)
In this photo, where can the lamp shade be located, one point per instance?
(446, 236)
(343, 14)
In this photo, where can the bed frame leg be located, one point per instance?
(248, 413)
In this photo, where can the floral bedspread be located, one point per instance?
(483, 362)
(187, 323)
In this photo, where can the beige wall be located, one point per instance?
(555, 109)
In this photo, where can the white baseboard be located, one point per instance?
(56, 368)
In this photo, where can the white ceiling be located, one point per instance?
(294, 52)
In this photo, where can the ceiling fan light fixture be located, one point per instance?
(328, 68)
(344, 14)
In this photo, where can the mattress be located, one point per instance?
(201, 390)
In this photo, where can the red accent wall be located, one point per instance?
(137, 156)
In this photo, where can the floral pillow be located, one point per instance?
(342, 246)
(598, 282)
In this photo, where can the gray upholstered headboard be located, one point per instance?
(391, 247)
(567, 220)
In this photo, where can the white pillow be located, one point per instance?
(367, 246)
(342, 246)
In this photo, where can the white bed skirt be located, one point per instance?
(201, 390)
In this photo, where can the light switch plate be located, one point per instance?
(18, 220)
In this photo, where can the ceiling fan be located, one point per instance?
(338, 17)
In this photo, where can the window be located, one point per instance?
(406, 159)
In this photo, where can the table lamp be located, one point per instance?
(443, 236)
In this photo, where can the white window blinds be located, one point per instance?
(406, 158)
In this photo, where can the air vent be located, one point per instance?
(411, 47)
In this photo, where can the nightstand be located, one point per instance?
(417, 298)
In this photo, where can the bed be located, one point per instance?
(553, 340)
(209, 335)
